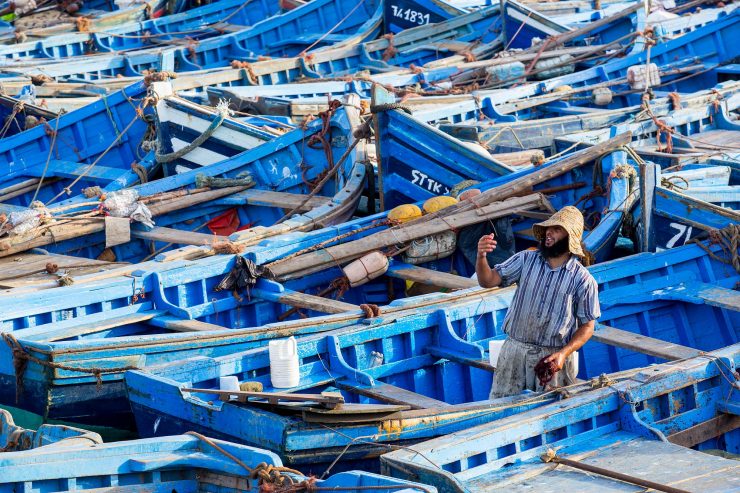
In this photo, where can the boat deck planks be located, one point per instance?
(26, 269)
(643, 344)
(626, 453)
(176, 236)
(396, 395)
(283, 200)
(717, 426)
(432, 277)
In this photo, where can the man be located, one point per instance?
(554, 308)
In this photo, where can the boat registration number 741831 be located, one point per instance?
(410, 15)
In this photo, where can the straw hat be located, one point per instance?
(571, 220)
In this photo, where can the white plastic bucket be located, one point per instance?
(284, 370)
(494, 350)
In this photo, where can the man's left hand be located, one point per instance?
(558, 358)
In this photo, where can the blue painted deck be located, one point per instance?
(199, 23)
(109, 130)
(644, 425)
(186, 464)
(14, 438)
(431, 43)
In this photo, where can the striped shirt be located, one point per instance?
(549, 304)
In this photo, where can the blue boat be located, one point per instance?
(674, 425)
(469, 32)
(671, 216)
(99, 14)
(550, 122)
(190, 462)
(173, 294)
(14, 438)
(196, 24)
(182, 124)
(578, 94)
(63, 156)
(434, 362)
(673, 211)
(288, 184)
(20, 114)
(418, 162)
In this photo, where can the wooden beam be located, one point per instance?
(303, 300)
(712, 428)
(482, 364)
(65, 229)
(90, 328)
(282, 200)
(720, 297)
(395, 395)
(330, 256)
(176, 236)
(431, 277)
(642, 344)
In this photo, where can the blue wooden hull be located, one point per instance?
(109, 130)
(546, 124)
(645, 425)
(405, 14)
(349, 56)
(309, 27)
(434, 357)
(272, 167)
(418, 162)
(14, 438)
(196, 24)
(185, 464)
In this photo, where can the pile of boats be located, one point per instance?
(246, 230)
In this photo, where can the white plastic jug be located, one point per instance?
(494, 349)
(284, 371)
(575, 362)
(230, 382)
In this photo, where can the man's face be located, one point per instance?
(553, 234)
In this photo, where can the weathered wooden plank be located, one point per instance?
(719, 296)
(315, 261)
(395, 395)
(65, 229)
(27, 269)
(431, 277)
(281, 200)
(191, 326)
(642, 344)
(702, 432)
(482, 364)
(93, 327)
(176, 236)
(311, 302)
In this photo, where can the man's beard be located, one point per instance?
(557, 249)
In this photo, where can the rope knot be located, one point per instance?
(391, 50)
